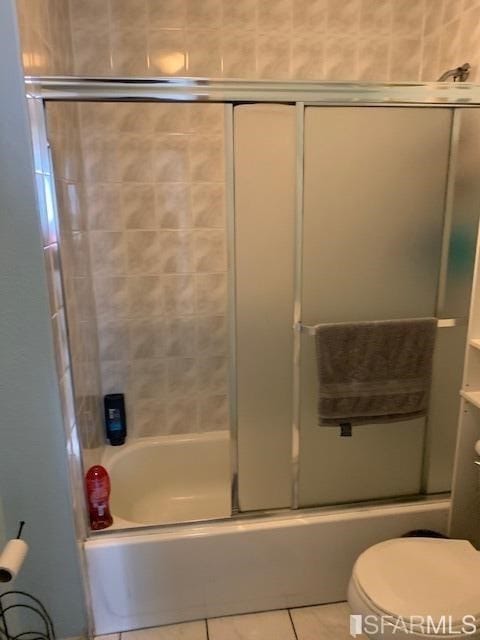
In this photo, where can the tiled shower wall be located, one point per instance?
(380, 40)
(154, 186)
(162, 338)
(45, 36)
(160, 312)
(64, 137)
(452, 37)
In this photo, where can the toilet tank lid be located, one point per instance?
(422, 577)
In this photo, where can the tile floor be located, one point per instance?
(323, 622)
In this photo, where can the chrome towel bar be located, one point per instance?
(442, 323)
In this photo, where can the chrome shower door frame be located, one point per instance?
(301, 94)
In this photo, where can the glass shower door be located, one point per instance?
(389, 219)
(374, 195)
(265, 142)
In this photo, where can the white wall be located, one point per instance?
(33, 471)
(2, 524)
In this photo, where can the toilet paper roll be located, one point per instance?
(11, 559)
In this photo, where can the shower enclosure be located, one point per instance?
(322, 214)
(204, 229)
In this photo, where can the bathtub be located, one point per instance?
(170, 574)
(169, 479)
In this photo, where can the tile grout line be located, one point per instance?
(292, 623)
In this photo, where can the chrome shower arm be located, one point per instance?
(459, 74)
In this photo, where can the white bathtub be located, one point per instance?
(168, 479)
(173, 574)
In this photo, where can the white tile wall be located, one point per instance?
(45, 36)
(76, 297)
(155, 203)
(287, 39)
(374, 40)
(451, 37)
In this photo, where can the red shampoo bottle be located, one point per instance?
(98, 494)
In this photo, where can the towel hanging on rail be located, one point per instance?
(374, 372)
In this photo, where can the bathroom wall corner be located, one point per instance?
(33, 465)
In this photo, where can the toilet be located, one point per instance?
(417, 588)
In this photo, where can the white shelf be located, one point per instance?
(471, 396)
(475, 343)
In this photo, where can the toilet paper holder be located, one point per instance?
(13, 601)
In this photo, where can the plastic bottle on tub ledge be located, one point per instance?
(98, 494)
(115, 418)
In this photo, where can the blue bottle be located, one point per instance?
(115, 418)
